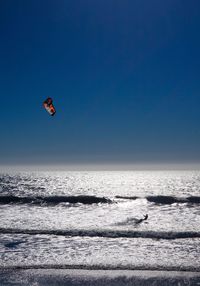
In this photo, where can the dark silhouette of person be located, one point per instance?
(145, 217)
(142, 219)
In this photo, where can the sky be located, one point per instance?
(123, 76)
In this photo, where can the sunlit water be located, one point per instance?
(49, 218)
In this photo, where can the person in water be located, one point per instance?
(145, 217)
(142, 219)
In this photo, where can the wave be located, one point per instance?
(194, 199)
(172, 200)
(104, 233)
(165, 199)
(140, 269)
(53, 200)
(126, 198)
(84, 199)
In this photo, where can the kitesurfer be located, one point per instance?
(142, 219)
(145, 217)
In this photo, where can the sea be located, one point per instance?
(88, 227)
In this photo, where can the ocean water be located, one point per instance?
(92, 220)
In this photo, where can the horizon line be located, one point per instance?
(103, 166)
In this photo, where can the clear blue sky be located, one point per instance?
(124, 77)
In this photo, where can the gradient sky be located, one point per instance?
(124, 77)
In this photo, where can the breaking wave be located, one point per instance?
(53, 200)
(84, 199)
(126, 198)
(172, 200)
(104, 233)
(182, 272)
(165, 200)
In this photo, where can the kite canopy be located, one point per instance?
(48, 105)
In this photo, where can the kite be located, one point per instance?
(48, 105)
